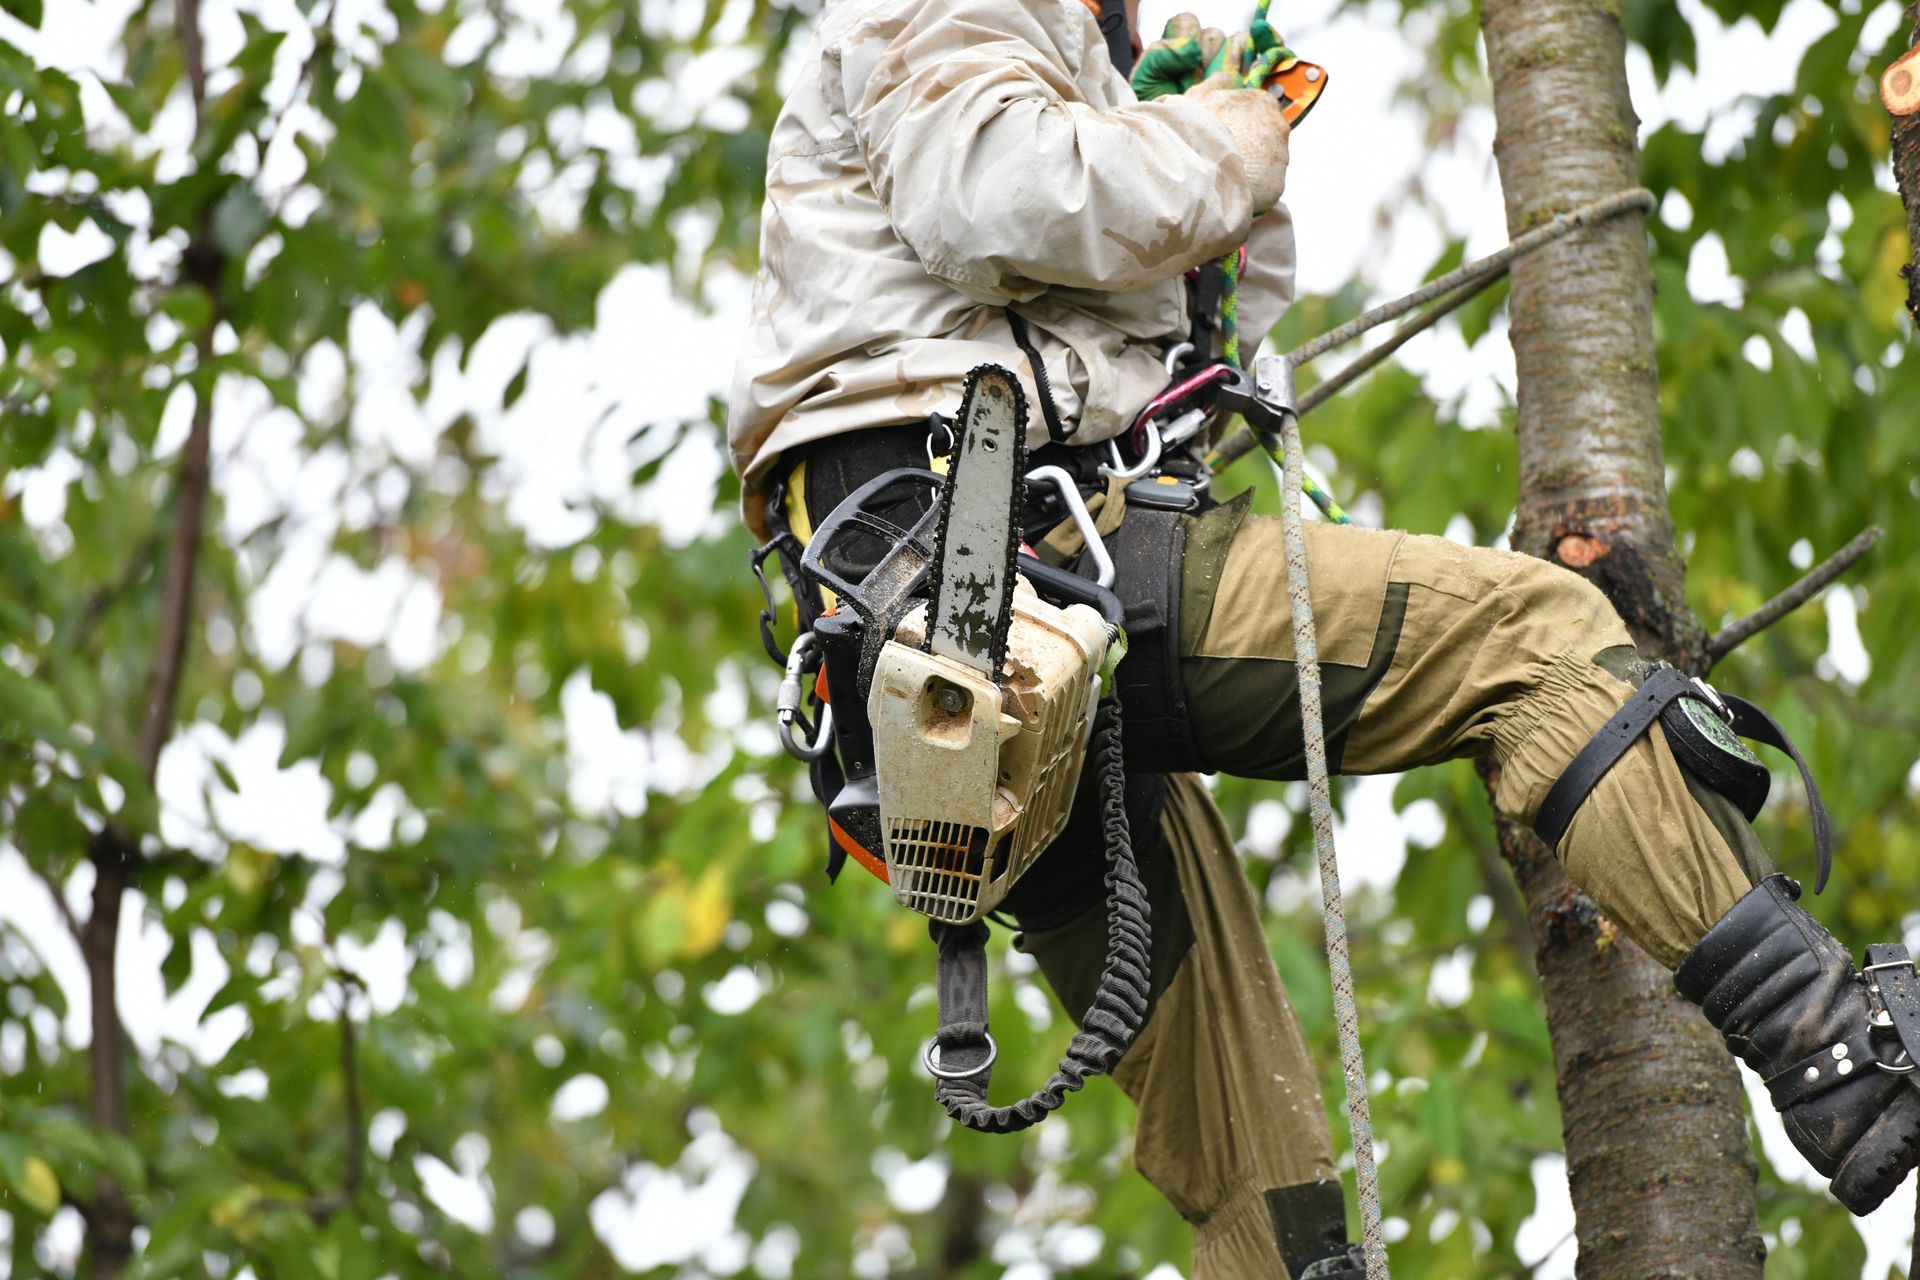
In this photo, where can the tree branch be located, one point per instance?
(60, 904)
(1242, 441)
(113, 851)
(324, 1207)
(183, 554)
(1734, 634)
(187, 15)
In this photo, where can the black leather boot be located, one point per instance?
(1833, 1045)
(1350, 1263)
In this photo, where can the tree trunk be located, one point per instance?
(1662, 1175)
(1906, 172)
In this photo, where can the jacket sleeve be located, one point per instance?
(1003, 180)
(1266, 286)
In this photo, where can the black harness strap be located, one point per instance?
(1149, 549)
(1663, 688)
(1113, 25)
(1750, 721)
(1203, 309)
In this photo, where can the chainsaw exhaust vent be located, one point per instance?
(937, 868)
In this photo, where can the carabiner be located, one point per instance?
(1148, 460)
(787, 706)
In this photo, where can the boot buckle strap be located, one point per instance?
(1826, 1069)
(1893, 991)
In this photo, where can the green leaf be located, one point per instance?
(39, 1186)
(130, 101)
(28, 11)
(239, 220)
(31, 705)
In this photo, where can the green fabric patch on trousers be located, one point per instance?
(1246, 711)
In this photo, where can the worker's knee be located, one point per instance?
(1571, 659)
(1559, 611)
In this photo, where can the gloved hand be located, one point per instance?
(1237, 54)
(1174, 62)
(1260, 132)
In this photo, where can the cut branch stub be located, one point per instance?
(1900, 84)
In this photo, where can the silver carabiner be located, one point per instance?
(1183, 428)
(1147, 462)
(787, 706)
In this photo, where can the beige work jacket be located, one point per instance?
(941, 160)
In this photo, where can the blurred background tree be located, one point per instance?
(400, 875)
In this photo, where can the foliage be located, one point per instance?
(622, 992)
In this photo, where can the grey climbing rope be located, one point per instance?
(1451, 289)
(1346, 1016)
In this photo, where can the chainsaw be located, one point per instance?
(964, 680)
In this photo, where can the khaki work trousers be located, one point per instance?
(1430, 651)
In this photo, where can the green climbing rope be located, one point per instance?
(1262, 52)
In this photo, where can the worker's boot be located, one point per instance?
(1830, 1042)
(1348, 1264)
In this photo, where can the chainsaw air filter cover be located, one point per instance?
(976, 780)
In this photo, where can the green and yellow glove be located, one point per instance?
(1174, 63)
(1239, 53)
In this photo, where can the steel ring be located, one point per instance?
(929, 1058)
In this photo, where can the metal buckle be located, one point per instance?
(1720, 708)
(1882, 1018)
(930, 1059)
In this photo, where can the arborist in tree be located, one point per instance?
(961, 188)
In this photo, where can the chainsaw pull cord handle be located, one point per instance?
(965, 1051)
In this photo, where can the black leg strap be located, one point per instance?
(1662, 689)
(1750, 721)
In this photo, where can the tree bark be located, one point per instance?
(1906, 172)
(1662, 1175)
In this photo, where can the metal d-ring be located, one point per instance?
(1884, 1019)
(930, 1059)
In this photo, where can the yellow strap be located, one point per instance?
(797, 519)
(800, 524)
